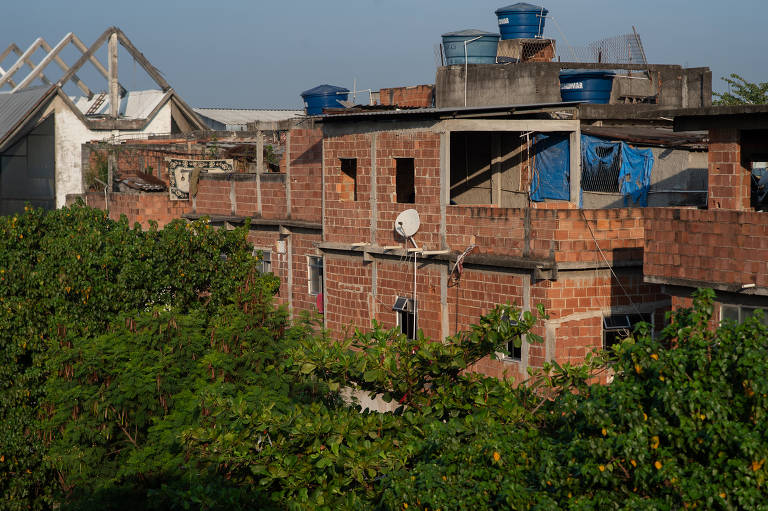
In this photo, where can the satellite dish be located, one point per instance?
(407, 223)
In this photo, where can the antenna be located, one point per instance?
(407, 223)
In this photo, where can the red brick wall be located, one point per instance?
(729, 181)
(347, 295)
(347, 221)
(415, 96)
(727, 248)
(140, 207)
(306, 174)
(563, 233)
(303, 245)
(424, 148)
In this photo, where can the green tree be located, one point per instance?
(742, 92)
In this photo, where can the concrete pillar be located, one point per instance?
(575, 145)
(114, 86)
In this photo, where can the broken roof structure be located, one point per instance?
(238, 119)
(42, 127)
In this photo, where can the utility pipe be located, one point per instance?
(466, 65)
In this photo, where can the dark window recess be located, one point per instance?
(618, 327)
(348, 188)
(515, 352)
(406, 316)
(405, 180)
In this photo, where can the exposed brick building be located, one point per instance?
(724, 247)
(469, 179)
(325, 222)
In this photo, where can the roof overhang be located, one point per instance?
(437, 114)
(738, 116)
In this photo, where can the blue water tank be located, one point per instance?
(481, 49)
(323, 96)
(587, 85)
(521, 21)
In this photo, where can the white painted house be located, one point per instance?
(42, 129)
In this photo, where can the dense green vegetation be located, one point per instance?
(742, 92)
(152, 370)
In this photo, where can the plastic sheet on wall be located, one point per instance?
(616, 167)
(551, 175)
(635, 175)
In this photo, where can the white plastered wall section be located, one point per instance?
(71, 134)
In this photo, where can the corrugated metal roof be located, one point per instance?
(17, 105)
(233, 116)
(465, 111)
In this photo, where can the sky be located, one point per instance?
(260, 54)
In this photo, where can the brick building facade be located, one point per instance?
(724, 247)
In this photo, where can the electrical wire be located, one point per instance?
(605, 259)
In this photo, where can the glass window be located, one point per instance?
(315, 272)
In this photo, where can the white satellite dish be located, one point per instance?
(407, 223)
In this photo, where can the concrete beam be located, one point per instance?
(21, 60)
(507, 125)
(114, 97)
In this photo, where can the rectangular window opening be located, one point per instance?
(315, 272)
(618, 327)
(405, 176)
(348, 186)
(406, 316)
(515, 352)
(265, 264)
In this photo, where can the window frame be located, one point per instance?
(743, 312)
(406, 314)
(319, 270)
(265, 264)
(632, 319)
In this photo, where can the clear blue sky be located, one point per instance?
(264, 54)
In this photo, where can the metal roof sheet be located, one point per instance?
(15, 106)
(232, 116)
(466, 111)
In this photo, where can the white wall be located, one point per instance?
(71, 134)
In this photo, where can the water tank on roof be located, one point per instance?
(521, 21)
(481, 47)
(587, 85)
(323, 96)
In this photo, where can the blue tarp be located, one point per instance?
(614, 166)
(552, 168)
(633, 175)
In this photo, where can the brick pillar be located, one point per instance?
(729, 182)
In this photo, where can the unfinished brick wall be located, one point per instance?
(729, 181)
(145, 156)
(562, 234)
(415, 96)
(424, 148)
(725, 248)
(140, 207)
(306, 152)
(303, 245)
(347, 295)
(347, 221)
